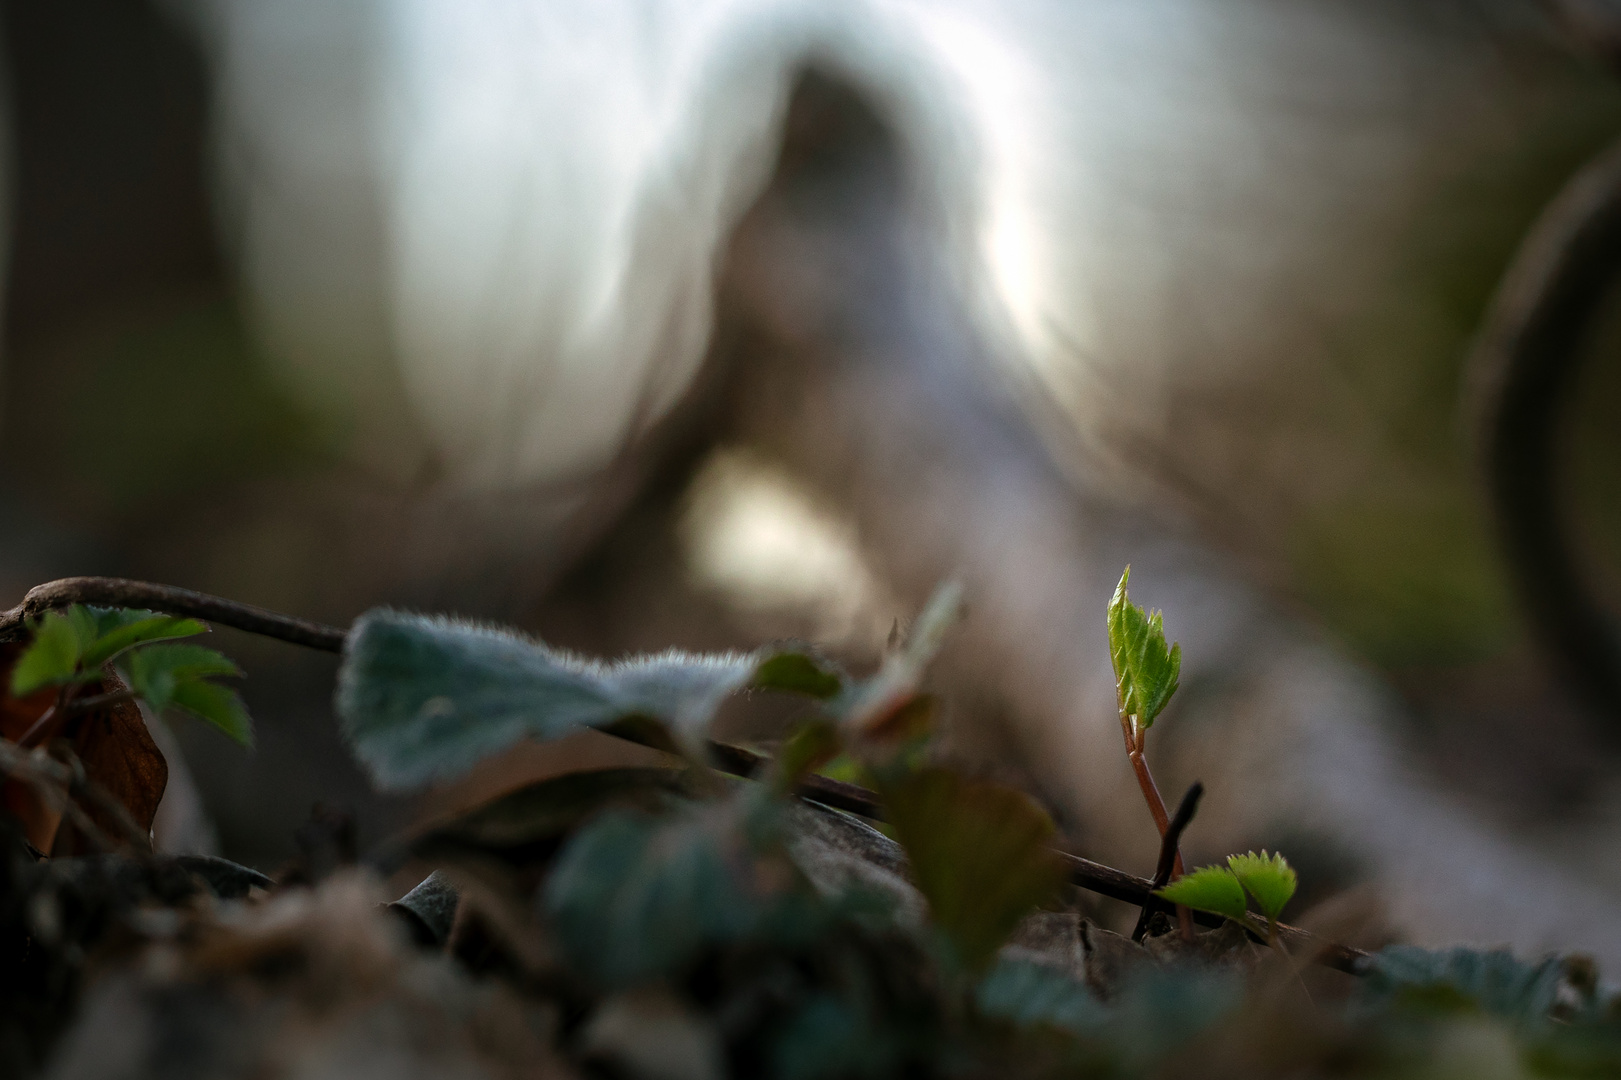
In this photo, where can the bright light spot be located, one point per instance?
(761, 539)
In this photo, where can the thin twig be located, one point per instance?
(98, 701)
(1167, 855)
(122, 592)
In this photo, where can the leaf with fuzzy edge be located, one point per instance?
(1268, 878)
(1213, 888)
(424, 699)
(1146, 671)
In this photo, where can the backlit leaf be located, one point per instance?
(1212, 888)
(978, 851)
(1268, 878)
(52, 658)
(121, 629)
(1145, 669)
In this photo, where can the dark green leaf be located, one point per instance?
(154, 672)
(830, 1038)
(1268, 878)
(1212, 888)
(219, 705)
(979, 853)
(634, 897)
(1145, 670)
(1492, 981)
(424, 699)
(1030, 994)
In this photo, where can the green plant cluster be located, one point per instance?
(704, 911)
(671, 923)
(70, 648)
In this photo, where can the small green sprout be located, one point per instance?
(1220, 889)
(70, 648)
(1146, 674)
(1268, 878)
(1146, 671)
(1212, 888)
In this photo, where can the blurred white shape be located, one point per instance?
(767, 545)
(508, 212)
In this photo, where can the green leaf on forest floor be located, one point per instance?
(424, 699)
(1146, 671)
(979, 852)
(1213, 888)
(1462, 979)
(1031, 994)
(635, 896)
(1268, 878)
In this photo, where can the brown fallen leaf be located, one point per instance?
(120, 757)
(114, 746)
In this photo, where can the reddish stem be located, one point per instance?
(1156, 807)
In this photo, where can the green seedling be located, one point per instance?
(71, 648)
(1146, 674)
(1268, 878)
(1220, 889)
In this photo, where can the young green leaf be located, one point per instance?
(1268, 878)
(119, 630)
(979, 853)
(52, 658)
(154, 672)
(1212, 888)
(219, 705)
(1146, 671)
